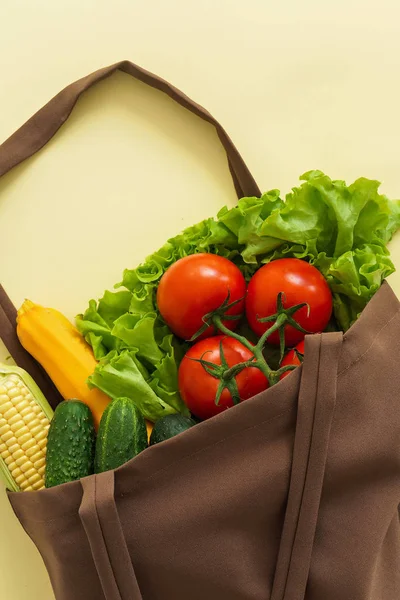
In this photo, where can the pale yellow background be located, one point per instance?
(298, 85)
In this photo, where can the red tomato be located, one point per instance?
(300, 282)
(291, 358)
(196, 285)
(198, 388)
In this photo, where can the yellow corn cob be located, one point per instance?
(24, 422)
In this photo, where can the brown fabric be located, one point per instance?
(292, 495)
(36, 132)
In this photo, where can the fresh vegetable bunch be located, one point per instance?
(341, 230)
(193, 329)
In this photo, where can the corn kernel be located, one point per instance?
(34, 478)
(18, 454)
(7, 436)
(33, 452)
(15, 419)
(22, 431)
(30, 472)
(25, 466)
(28, 443)
(14, 448)
(4, 429)
(11, 442)
(19, 479)
(18, 425)
(16, 472)
(10, 413)
(27, 414)
(38, 485)
(42, 435)
(25, 438)
(36, 427)
(39, 463)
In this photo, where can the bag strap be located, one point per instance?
(99, 517)
(316, 406)
(40, 128)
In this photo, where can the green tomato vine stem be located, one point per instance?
(226, 374)
(282, 317)
(259, 361)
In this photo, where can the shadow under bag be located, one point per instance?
(291, 495)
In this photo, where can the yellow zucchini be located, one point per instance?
(63, 353)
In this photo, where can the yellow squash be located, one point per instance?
(63, 353)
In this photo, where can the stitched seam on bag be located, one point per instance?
(371, 344)
(299, 504)
(217, 443)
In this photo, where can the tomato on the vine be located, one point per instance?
(300, 282)
(196, 285)
(199, 388)
(292, 358)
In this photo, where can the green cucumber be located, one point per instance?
(122, 435)
(70, 444)
(169, 426)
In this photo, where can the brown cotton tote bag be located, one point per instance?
(291, 495)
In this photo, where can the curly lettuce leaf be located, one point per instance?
(343, 230)
(122, 374)
(138, 356)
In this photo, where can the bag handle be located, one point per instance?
(40, 128)
(99, 516)
(315, 413)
